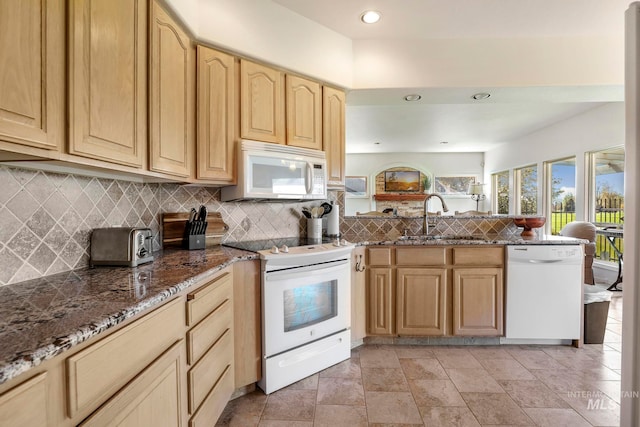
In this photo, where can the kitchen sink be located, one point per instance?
(440, 237)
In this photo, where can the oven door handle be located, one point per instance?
(307, 271)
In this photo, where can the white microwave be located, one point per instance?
(278, 172)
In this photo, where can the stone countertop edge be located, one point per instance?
(21, 360)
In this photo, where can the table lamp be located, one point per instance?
(477, 193)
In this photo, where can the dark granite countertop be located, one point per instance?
(42, 318)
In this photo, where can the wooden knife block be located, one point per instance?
(174, 223)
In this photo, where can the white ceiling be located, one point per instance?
(450, 114)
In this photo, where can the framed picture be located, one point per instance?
(402, 181)
(454, 185)
(355, 186)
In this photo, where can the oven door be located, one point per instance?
(304, 304)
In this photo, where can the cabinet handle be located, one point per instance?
(359, 264)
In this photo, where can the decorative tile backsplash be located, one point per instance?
(46, 218)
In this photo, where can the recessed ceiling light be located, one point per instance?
(413, 97)
(444, 142)
(376, 143)
(370, 17)
(481, 95)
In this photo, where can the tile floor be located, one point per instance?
(451, 386)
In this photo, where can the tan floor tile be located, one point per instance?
(392, 407)
(487, 352)
(284, 423)
(610, 388)
(435, 393)
(595, 406)
(394, 425)
(243, 411)
(535, 359)
(384, 379)
(610, 359)
(295, 405)
(505, 369)
(554, 417)
(474, 380)
(378, 358)
(600, 373)
(495, 408)
(350, 368)
(563, 380)
(429, 369)
(340, 416)
(340, 391)
(309, 383)
(532, 394)
(414, 352)
(448, 417)
(463, 359)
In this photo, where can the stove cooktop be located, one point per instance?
(261, 245)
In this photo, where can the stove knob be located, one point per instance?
(336, 242)
(284, 249)
(343, 242)
(274, 250)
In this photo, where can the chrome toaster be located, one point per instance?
(130, 246)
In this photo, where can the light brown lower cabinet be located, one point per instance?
(435, 291)
(421, 301)
(247, 321)
(152, 399)
(172, 366)
(358, 295)
(26, 404)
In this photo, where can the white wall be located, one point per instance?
(593, 130)
(437, 164)
(269, 32)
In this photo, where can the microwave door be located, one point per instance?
(275, 176)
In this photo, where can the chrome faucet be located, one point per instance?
(425, 219)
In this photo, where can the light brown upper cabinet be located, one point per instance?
(172, 96)
(217, 127)
(304, 113)
(333, 135)
(32, 73)
(261, 103)
(108, 80)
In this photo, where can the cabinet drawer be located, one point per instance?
(205, 333)
(25, 405)
(421, 256)
(205, 299)
(478, 256)
(215, 402)
(209, 369)
(100, 370)
(379, 256)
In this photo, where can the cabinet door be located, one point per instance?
(108, 80)
(154, 398)
(478, 301)
(380, 297)
(25, 405)
(422, 301)
(172, 96)
(333, 135)
(32, 73)
(261, 103)
(216, 116)
(358, 295)
(304, 113)
(247, 318)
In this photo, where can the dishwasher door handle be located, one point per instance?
(544, 261)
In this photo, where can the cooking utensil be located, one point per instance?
(327, 208)
(316, 212)
(306, 213)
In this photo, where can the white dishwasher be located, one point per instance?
(544, 293)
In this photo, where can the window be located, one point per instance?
(500, 184)
(607, 197)
(526, 184)
(560, 192)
